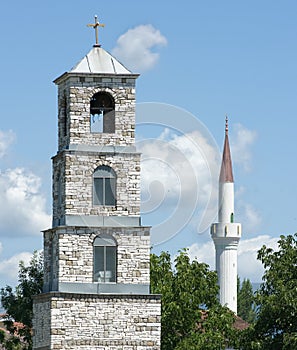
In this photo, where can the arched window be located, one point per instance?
(232, 217)
(105, 259)
(104, 192)
(102, 113)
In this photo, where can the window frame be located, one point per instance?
(109, 198)
(104, 241)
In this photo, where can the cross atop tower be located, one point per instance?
(95, 26)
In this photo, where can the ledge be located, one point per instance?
(102, 149)
(98, 221)
(82, 296)
(98, 288)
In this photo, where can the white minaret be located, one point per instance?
(226, 233)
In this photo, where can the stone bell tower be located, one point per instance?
(96, 255)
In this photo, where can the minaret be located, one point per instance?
(226, 233)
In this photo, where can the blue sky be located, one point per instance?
(201, 59)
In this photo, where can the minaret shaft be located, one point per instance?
(226, 202)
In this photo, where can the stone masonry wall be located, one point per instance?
(51, 261)
(73, 175)
(74, 98)
(72, 259)
(94, 322)
(42, 323)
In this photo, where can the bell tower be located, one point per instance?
(96, 255)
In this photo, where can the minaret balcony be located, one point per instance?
(231, 230)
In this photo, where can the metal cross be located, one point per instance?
(95, 26)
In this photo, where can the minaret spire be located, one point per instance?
(226, 174)
(226, 233)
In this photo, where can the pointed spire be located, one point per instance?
(226, 174)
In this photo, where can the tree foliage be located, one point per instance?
(192, 317)
(276, 325)
(19, 304)
(246, 308)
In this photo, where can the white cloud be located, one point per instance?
(241, 146)
(179, 172)
(180, 163)
(9, 268)
(6, 138)
(248, 265)
(22, 206)
(134, 48)
(249, 216)
(204, 252)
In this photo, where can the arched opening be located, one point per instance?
(232, 217)
(102, 110)
(104, 186)
(105, 259)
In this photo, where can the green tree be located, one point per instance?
(276, 325)
(246, 301)
(19, 304)
(192, 317)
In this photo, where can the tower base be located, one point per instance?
(71, 321)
